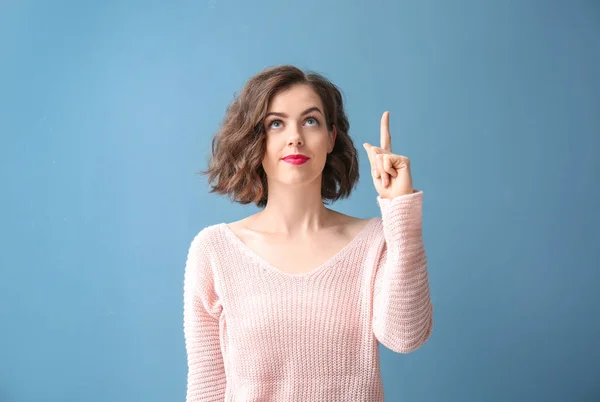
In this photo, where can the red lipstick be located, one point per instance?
(296, 159)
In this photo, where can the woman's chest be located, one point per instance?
(298, 257)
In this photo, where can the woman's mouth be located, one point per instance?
(296, 159)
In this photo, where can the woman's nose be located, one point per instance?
(295, 140)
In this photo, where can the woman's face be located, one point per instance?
(295, 124)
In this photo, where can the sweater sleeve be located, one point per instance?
(202, 307)
(402, 307)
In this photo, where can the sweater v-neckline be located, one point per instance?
(327, 263)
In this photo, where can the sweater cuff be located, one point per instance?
(402, 217)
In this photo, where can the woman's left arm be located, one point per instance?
(402, 307)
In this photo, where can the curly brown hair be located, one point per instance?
(238, 147)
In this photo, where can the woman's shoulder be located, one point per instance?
(207, 236)
(352, 223)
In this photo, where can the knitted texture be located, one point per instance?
(255, 333)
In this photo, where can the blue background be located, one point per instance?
(107, 110)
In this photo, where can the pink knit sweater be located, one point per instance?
(255, 333)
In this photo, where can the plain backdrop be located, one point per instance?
(107, 110)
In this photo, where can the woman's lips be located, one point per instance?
(296, 160)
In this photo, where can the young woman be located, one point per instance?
(289, 304)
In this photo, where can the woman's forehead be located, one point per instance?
(295, 100)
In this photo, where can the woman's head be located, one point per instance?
(282, 111)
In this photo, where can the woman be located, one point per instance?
(289, 304)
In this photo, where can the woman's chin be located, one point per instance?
(297, 180)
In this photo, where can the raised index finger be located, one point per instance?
(386, 138)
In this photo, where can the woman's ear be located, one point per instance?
(333, 135)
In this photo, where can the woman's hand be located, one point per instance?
(390, 172)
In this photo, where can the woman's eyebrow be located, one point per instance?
(311, 109)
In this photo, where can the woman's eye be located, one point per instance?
(277, 123)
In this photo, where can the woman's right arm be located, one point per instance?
(206, 372)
